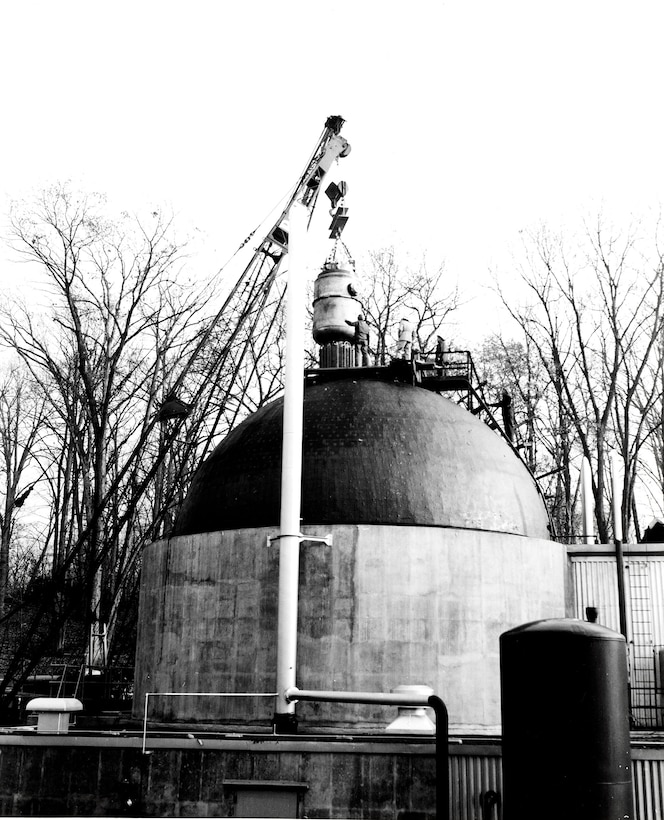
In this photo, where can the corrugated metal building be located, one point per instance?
(594, 583)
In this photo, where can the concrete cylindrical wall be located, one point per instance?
(383, 606)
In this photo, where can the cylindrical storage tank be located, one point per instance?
(334, 302)
(565, 713)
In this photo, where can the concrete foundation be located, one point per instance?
(202, 776)
(207, 776)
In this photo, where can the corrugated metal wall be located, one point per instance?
(648, 775)
(656, 572)
(595, 584)
(471, 776)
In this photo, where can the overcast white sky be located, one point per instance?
(468, 120)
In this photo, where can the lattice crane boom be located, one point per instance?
(249, 312)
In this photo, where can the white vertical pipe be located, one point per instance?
(291, 469)
(587, 503)
(616, 496)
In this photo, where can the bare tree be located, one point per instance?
(594, 317)
(21, 419)
(652, 464)
(95, 353)
(542, 428)
(140, 372)
(391, 290)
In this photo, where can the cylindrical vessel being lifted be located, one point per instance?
(565, 710)
(335, 292)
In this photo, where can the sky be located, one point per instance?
(468, 121)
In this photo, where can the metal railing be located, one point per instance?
(646, 667)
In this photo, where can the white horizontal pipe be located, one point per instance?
(327, 696)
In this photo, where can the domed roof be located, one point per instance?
(373, 453)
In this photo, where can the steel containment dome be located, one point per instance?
(373, 453)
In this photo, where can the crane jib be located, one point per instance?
(249, 313)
